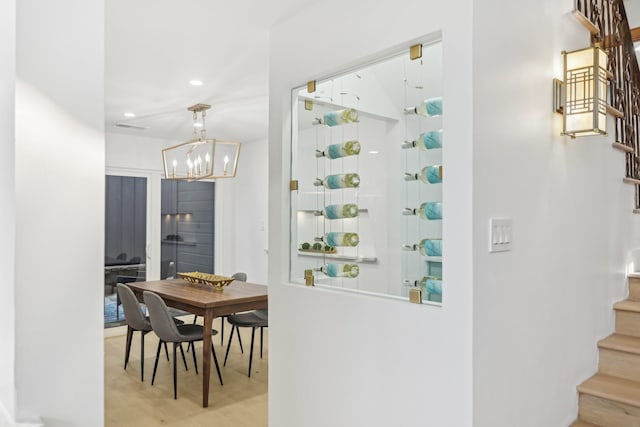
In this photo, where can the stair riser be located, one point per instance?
(605, 412)
(628, 323)
(634, 288)
(619, 364)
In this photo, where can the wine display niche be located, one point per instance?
(367, 177)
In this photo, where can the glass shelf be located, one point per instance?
(363, 259)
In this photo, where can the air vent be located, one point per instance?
(130, 126)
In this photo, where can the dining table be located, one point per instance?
(208, 302)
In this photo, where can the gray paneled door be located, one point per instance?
(187, 227)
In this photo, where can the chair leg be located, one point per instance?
(142, 334)
(193, 352)
(166, 351)
(175, 371)
(239, 340)
(183, 358)
(127, 349)
(261, 340)
(253, 334)
(222, 330)
(228, 345)
(215, 359)
(155, 365)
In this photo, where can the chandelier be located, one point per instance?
(201, 157)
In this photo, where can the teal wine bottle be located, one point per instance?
(341, 270)
(426, 141)
(431, 285)
(348, 210)
(428, 175)
(426, 211)
(340, 117)
(336, 151)
(431, 107)
(427, 247)
(341, 239)
(344, 180)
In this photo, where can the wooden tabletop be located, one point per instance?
(204, 296)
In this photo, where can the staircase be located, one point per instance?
(611, 398)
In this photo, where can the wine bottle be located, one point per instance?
(348, 210)
(344, 180)
(336, 151)
(341, 239)
(431, 285)
(429, 175)
(340, 117)
(427, 247)
(431, 107)
(427, 210)
(341, 270)
(426, 141)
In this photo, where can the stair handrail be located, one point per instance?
(609, 18)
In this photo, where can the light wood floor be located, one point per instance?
(241, 402)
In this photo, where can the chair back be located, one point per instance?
(262, 314)
(161, 320)
(132, 311)
(241, 277)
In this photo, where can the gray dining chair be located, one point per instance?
(240, 277)
(123, 280)
(168, 331)
(136, 322)
(251, 319)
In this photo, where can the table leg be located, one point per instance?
(206, 356)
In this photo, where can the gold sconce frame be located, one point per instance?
(582, 96)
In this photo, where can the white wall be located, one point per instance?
(343, 359)
(7, 213)
(539, 310)
(60, 209)
(241, 206)
(247, 193)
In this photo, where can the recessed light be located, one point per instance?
(374, 152)
(196, 83)
(197, 125)
(130, 115)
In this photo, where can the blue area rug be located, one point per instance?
(111, 317)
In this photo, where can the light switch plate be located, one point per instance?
(500, 234)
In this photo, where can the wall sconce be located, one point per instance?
(201, 158)
(582, 97)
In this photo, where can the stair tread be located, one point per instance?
(612, 388)
(582, 424)
(619, 342)
(627, 305)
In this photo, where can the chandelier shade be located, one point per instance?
(201, 157)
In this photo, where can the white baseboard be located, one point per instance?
(6, 421)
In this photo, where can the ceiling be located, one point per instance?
(153, 48)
